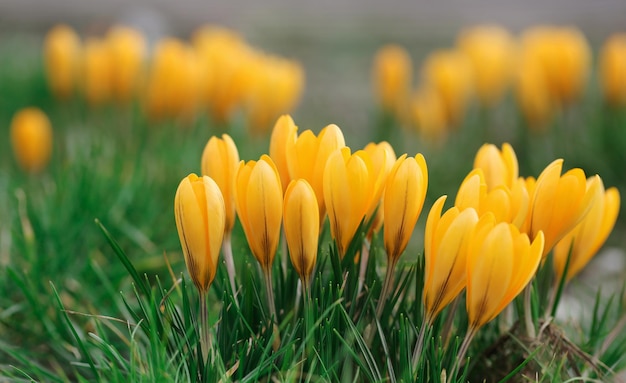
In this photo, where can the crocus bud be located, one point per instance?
(349, 187)
(501, 261)
(405, 191)
(383, 158)
(589, 235)
(220, 161)
(96, 72)
(533, 93)
(31, 137)
(560, 202)
(613, 70)
(259, 202)
(200, 217)
(392, 74)
(450, 74)
(445, 251)
(285, 130)
(302, 227)
(500, 167)
(307, 156)
(61, 54)
(428, 115)
(127, 49)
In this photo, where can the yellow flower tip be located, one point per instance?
(61, 56)
(392, 74)
(31, 139)
(97, 70)
(200, 219)
(220, 160)
(500, 167)
(259, 204)
(445, 250)
(285, 130)
(127, 49)
(472, 190)
(383, 158)
(428, 115)
(612, 73)
(405, 191)
(501, 261)
(301, 226)
(586, 239)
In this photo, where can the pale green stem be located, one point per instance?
(449, 320)
(365, 254)
(528, 315)
(284, 252)
(386, 287)
(227, 250)
(205, 336)
(419, 346)
(267, 273)
(460, 359)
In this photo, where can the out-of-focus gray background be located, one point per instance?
(335, 40)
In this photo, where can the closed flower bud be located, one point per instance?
(61, 54)
(428, 115)
(285, 130)
(613, 69)
(200, 217)
(259, 202)
(560, 202)
(220, 161)
(302, 227)
(445, 252)
(589, 235)
(392, 74)
(491, 51)
(501, 261)
(499, 167)
(127, 48)
(405, 191)
(383, 158)
(31, 137)
(533, 93)
(449, 73)
(97, 68)
(349, 188)
(307, 156)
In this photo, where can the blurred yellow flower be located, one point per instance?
(31, 138)
(499, 167)
(532, 92)
(445, 251)
(199, 212)
(220, 161)
(259, 202)
(127, 49)
(349, 189)
(61, 55)
(97, 69)
(560, 202)
(501, 261)
(613, 69)
(589, 235)
(301, 225)
(307, 156)
(405, 191)
(392, 74)
(449, 73)
(428, 114)
(491, 51)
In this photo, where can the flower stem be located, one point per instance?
(528, 314)
(205, 336)
(460, 359)
(365, 254)
(419, 345)
(267, 273)
(227, 250)
(386, 287)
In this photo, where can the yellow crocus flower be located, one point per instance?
(533, 93)
(383, 158)
(613, 69)
(61, 56)
(349, 188)
(307, 156)
(428, 114)
(392, 74)
(259, 203)
(491, 51)
(445, 248)
(127, 49)
(97, 68)
(31, 138)
(405, 191)
(589, 235)
(220, 161)
(501, 261)
(284, 130)
(560, 202)
(301, 225)
(200, 217)
(500, 167)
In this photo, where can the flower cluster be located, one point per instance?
(490, 243)
(217, 72)
(547, 68)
